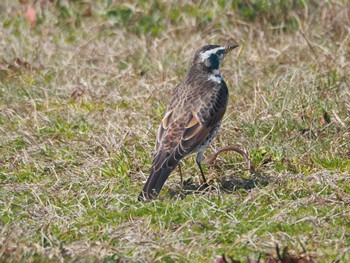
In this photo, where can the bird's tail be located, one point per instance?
(155, 183)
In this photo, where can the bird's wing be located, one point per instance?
(178, 140)
(184, 127)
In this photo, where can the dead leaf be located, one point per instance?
(4, 66)
(46, 2)
(87, 12)
(30, 16)
(78, 94)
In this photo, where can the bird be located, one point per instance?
(192, 117)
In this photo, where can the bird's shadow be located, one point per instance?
(227, 184)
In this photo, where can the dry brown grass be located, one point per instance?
(80, 101)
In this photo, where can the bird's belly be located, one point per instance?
(201, 147)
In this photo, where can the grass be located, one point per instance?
(81, 96)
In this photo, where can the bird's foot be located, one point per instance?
(205, 187)
(186, 182)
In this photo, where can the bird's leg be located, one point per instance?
(181, 177)
(199, 162)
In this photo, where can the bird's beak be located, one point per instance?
(228, 48)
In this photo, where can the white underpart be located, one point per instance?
(207, 54)
(215, 76)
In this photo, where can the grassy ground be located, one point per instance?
(83, 89)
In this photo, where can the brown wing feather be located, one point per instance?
(163, 126)
(195, 135)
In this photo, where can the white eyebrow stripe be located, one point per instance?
(207, 54)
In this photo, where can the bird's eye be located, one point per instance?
(220, 54)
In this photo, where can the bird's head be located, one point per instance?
(210, 57)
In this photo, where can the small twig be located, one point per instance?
(309, 44)
(212, 158)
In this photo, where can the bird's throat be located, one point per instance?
(215, 76)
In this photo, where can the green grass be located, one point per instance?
(81, 97)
